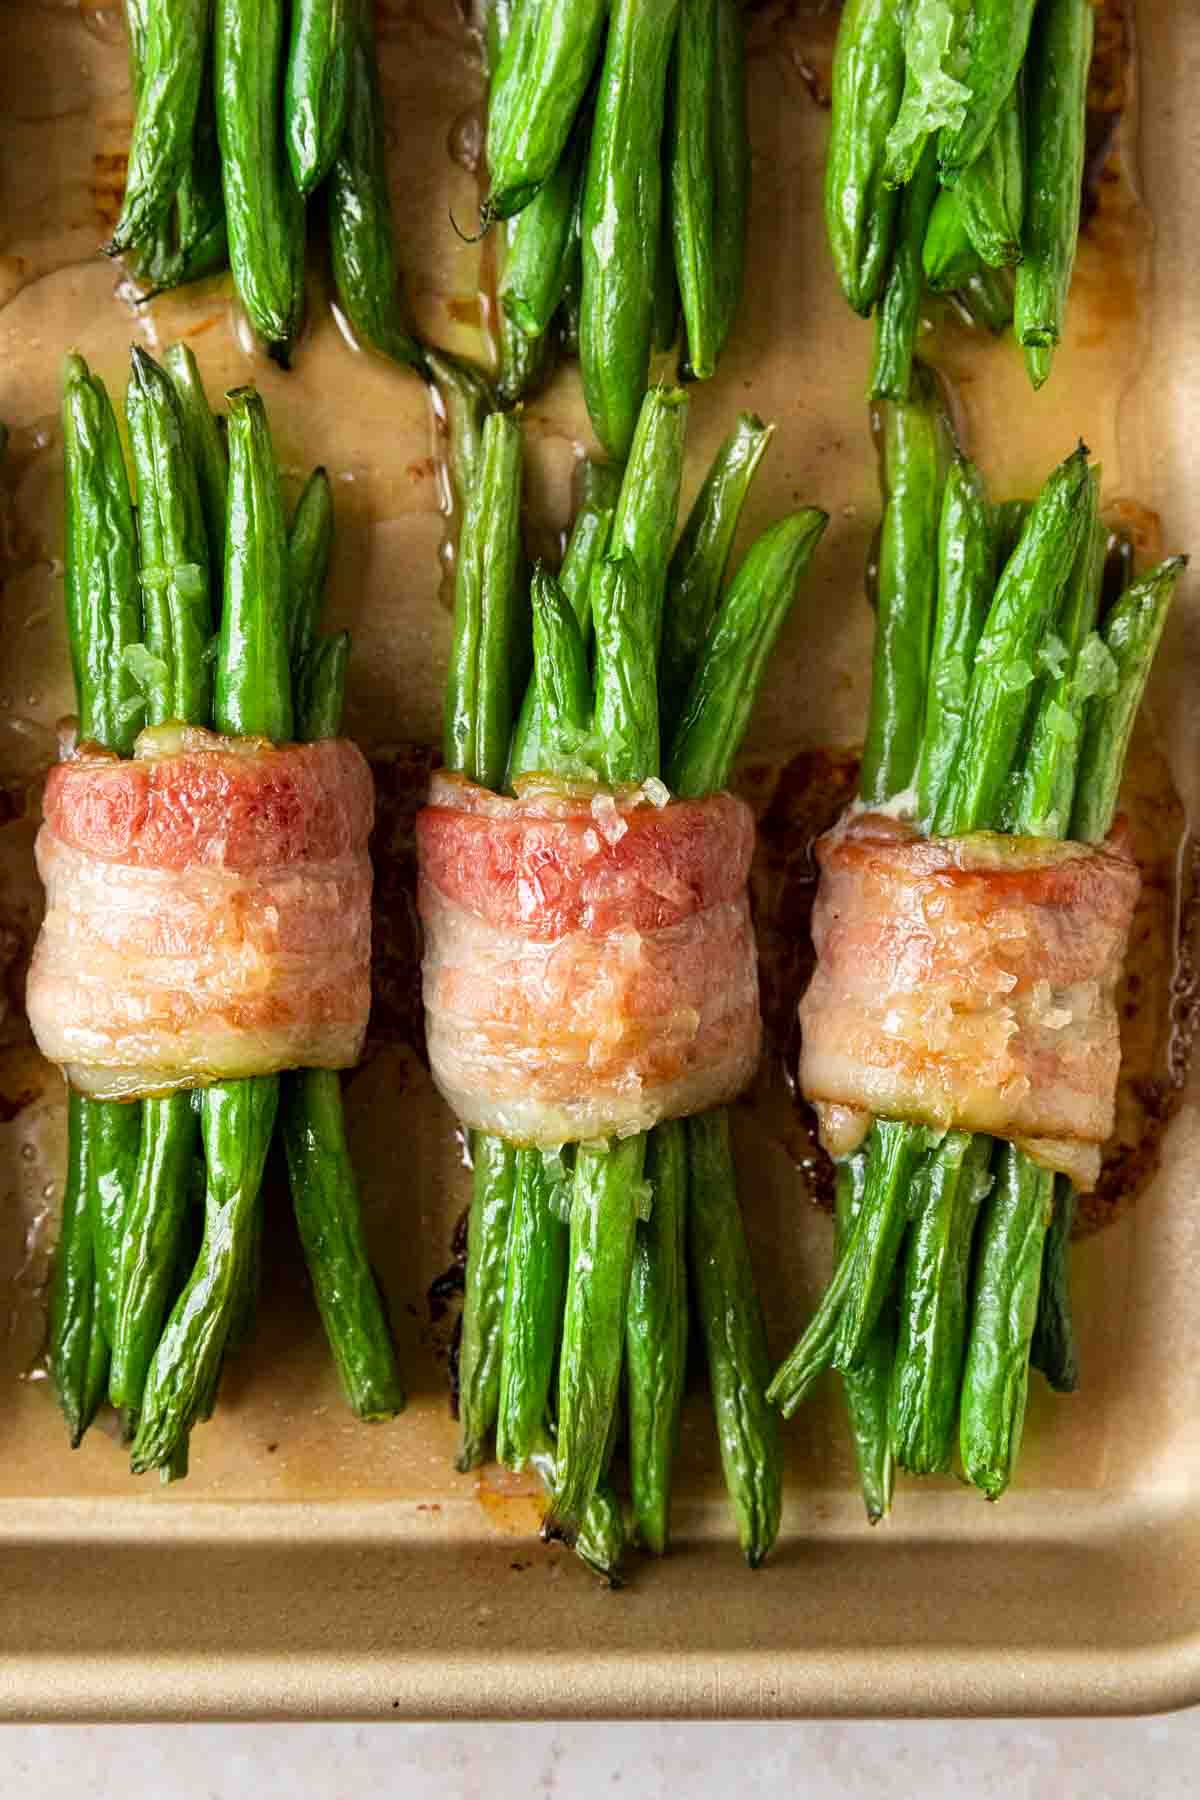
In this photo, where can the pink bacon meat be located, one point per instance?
(207, 912)
(589, 959)
(968, 982)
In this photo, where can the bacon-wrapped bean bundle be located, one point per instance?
(207, 912)
(968, 954)
(208, 915)
(590, 979)
(589, 963)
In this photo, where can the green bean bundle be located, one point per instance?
(619, 174)
(242, 113)
(955, 164)
(136, 1314)
(1005, 705)
(585, 1263)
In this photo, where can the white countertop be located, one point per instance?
(1101, 1759)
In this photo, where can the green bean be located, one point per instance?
(898, 314)
(567, 317)
(104, 619)
(525, 365)
(604, 1208)
(697, 569)
(626, 708)
(1131, 635)
(497, 24)
(534, 1284)
(535, 268)
(264, 213)
(1047, 777)
(1025, 603)
(104, 613)
(991, 192)
(1039, 360)
(95, 1371)
(171, 57)
(966, 579)
(589, 541)
(316, 88)
(189, 241)
(237, 1119)
(912, 465)
(928, 1364)
(999, 39)
(813, 1352)
(731, 162)
(895, 1157)
(362, 246)
(860, 206)
(648, 505)
(656, 1332)
(325, 1201)
(325, 1196)
(464, 400)
(1004, 1311)
(114, 1140)
(1060, 53)
(935, 33)
(321, 688)
(948, 256)
(492, 1191)
(664, 333)
(545, 66)
(207, 454)
(154, 1226)
(866, 1382)
(622, 201)
(734, 1336)
(253, 689)
(985, 298)
(600, 1541)
(310, 541)
(75, 1335)
(479, 705)
(243, 1318)
(173, 548)
(561, 674)
(1053, 1349)
(693, 180)
(203, 245)
(725, 687)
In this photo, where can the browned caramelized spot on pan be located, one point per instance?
(108, 184)
(1158, 1000)
(1110, 94)
(401, 782)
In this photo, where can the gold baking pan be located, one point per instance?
(311, 1566)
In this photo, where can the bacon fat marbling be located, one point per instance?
(207, 912)
(968, 982)
(589, 959)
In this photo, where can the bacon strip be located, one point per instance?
(589, 959)
(968, 982)
(207, 912)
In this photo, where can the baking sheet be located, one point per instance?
(310, 1565)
